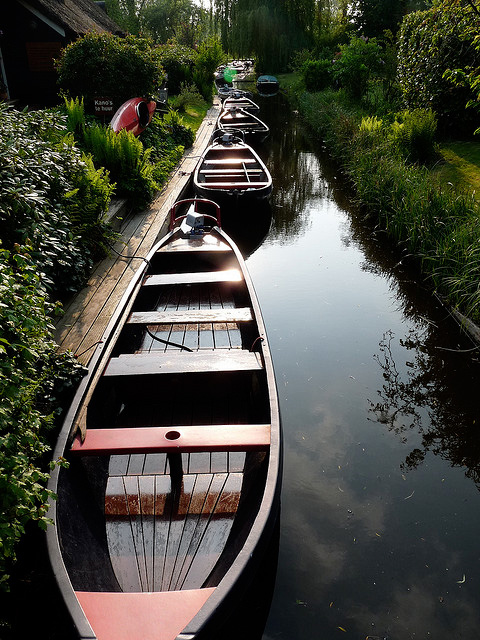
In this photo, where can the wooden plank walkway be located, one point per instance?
(87, 314)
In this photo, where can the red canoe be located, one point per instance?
(134, 115)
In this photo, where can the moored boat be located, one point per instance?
(240, 100)
(233, 119)
(173, 445)
(133, 115)
(267, 85)
(230, 168)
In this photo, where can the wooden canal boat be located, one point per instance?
(267, 85)
(240, 100)
(233, 119)
(230, 168)
(173, 446)
(133, 115)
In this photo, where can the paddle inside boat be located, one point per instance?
(173, 448)
(231, 168)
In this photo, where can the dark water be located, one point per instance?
(380, 519)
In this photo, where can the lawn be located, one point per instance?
(460, 165)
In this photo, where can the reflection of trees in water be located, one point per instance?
(296, 171)
(441, 383)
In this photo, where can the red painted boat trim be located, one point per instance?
(171, 439)
(141, 616)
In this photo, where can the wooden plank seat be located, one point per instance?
(232, 171)
(232, 160)
(235, 185)
(196, 316)
(206, 277)
(176, 362)
(188, 439)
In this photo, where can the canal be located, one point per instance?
(380, 518)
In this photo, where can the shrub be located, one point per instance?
(429, 44)
(127, 160)
(356, 63)
(101, 64)
(189, 96)
(29, 370)
(178, 62)
(52, 196)
(413, 132)
(210, 56)
(317, 74)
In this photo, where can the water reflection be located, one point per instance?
(433, 397)
(380, 516)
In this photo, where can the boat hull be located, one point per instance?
(230, 171)
(174, 449)
(133, 115)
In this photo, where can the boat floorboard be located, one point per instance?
(165, 534)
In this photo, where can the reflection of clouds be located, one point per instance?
(414, 612)
(320, 504)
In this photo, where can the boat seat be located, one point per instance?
(177, 362)
(207, 277)
(191, 316)
(235, 185)
(238, 171)
(182, 439)
(230, 161)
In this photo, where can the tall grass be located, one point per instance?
(431, 220)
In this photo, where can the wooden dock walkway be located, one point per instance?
(87, 314)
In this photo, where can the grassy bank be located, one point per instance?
(426, 201)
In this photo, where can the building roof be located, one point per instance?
(77, 16)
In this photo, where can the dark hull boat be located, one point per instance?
(173, 442)
(230, 168)
(133, 115)
(234, 120)
(240, 100)
(267, 85)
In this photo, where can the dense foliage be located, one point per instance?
(431, 43)
(178, 62)
(52, 197)
(105, 65)
(139, 165)
(31, 378)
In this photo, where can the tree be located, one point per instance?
(373, 17)
(166, 19)
(270, 30)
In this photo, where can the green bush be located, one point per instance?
(51, 196)
(31, 375)
(356, 63)
(127, 160)
(210, 56)
(429, 44)
(317, 74)
(188, 96)
(413, 132)
(104, 65)
(178, 62)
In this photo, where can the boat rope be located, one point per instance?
(122, 255)
(255, 342)
(172, 344)
(77, 355)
